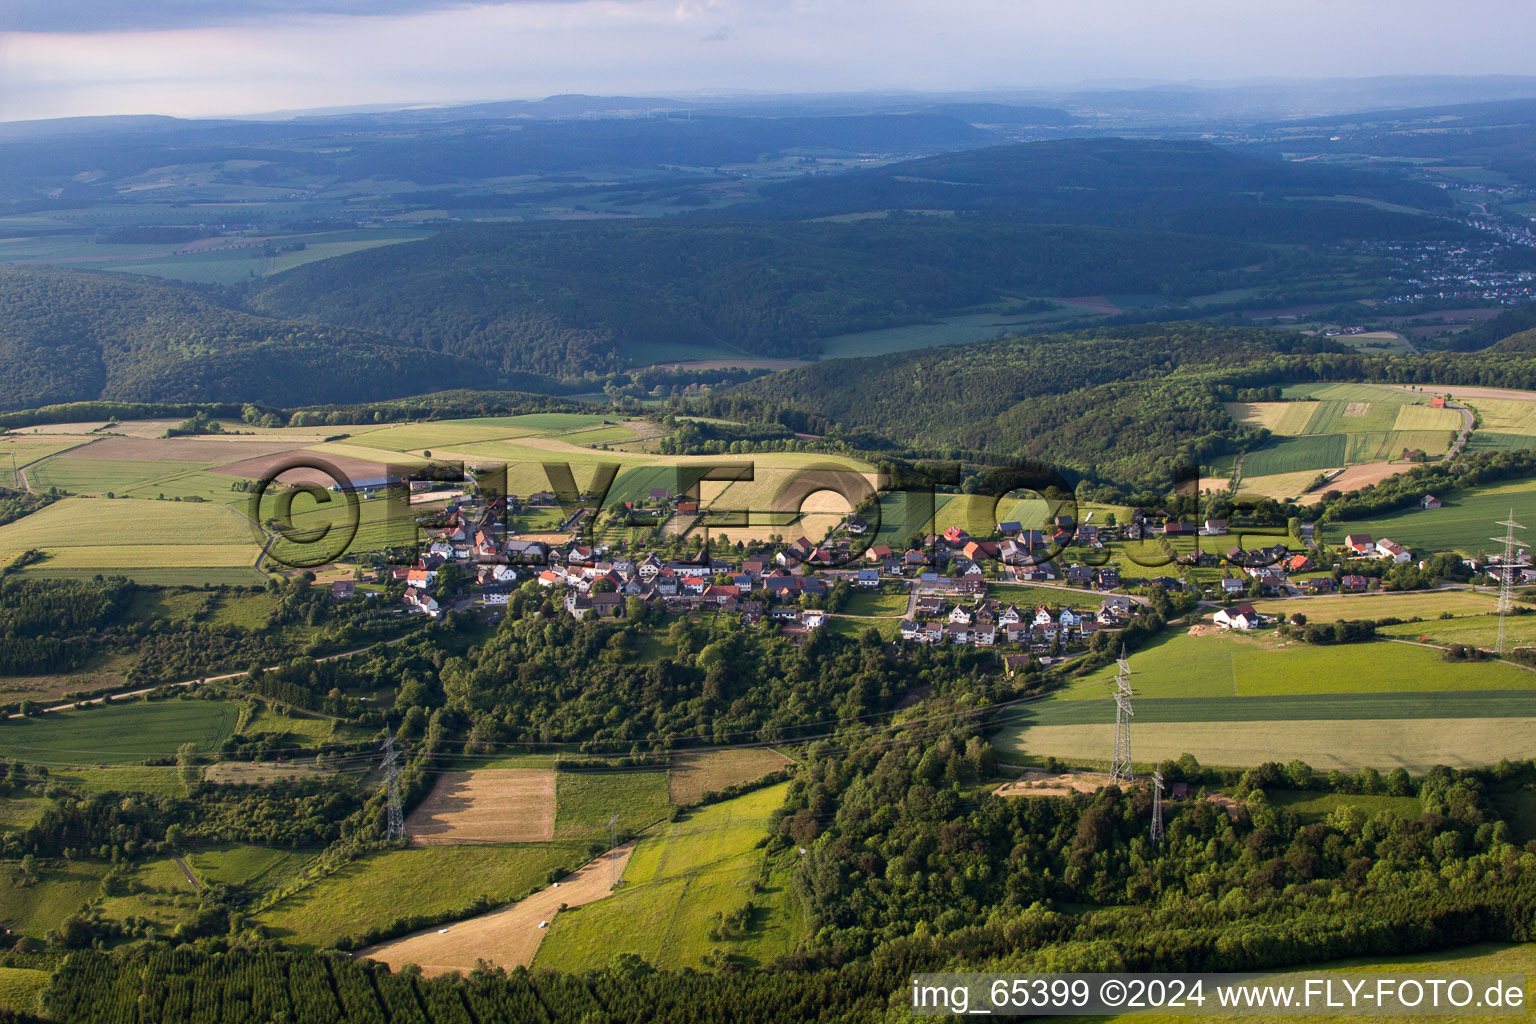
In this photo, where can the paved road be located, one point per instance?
(186, 871)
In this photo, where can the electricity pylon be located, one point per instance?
(1120, 762)
(391, 769)
(1157, 808)
(1507, 573)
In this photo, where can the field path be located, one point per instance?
(186, 871)
(213, 679)
(508, 937)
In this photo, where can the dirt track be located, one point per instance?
(491, 805)
(508, 937)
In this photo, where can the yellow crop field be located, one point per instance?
(1423, 417)
(1287, 418)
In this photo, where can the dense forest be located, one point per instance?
(912, 866)
(69, 336)
(1151, 184)
(567, 298)
(1125, 402)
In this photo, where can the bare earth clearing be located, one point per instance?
(508, 937)
(1046, 784)
(260, 773)
(490, 805)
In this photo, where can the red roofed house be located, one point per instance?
(1360, 543)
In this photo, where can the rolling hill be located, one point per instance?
(68, 336)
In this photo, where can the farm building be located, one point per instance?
(1430, 501)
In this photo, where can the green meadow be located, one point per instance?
(117, 734)
(379, 887)
(676, 881)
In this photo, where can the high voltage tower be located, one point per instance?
(1507, 573)
(1120, 763)
(391, 770)
(613, 845)
(1157, 808)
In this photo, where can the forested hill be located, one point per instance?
(68, 336)
(1119, 403)
(567, 298)
(1147, 183)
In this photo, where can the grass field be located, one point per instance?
(102, 535)
(872, 603)
(1476, 630)
(255, 867)
(1229, 665)
(18, 813)
(584, 801)
(1279, 485)
(853, 626)
(1296, 455)
(1348, 393)
(136, 478)
(1414, 744)
(380, 887)
(1400, 605)
(60, 891)
(675, 882)
(1465, 524)
(1504, 416)
(315, 730)
(126, 778)
(115, 735)
(21, 989)
(1317, 806)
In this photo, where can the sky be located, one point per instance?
(231, 57)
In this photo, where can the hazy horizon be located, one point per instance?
(179, 58)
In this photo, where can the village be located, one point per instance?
(1015, 589)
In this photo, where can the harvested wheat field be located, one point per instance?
(490, 805)
(261, 467)
(175, 449)
(1356, 477)
(508, 937)
(710, 771)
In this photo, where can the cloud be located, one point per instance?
(719, 35)
(92, 16)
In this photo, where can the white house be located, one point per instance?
(1241, 616)
(1393, 550)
